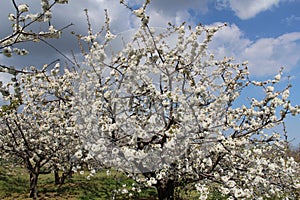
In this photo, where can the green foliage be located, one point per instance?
(215, 194)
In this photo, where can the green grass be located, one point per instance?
(14, 184)
(11, 182)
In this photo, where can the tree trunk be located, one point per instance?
(33, 185)
(56, 177)
(60, 180)
(166, 190)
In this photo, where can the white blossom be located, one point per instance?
(285, 94)
(109, 35)
(139, 13)
(278, 77)
(23, 8)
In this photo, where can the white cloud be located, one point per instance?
(265, 55)
(291, 19)
(175, 11)
(247, 9)
(118, 14)
(222, 4)
(171, 7)
(229, 41)
(157, 19)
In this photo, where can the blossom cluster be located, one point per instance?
(22, 23)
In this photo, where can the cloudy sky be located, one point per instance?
(266, 33)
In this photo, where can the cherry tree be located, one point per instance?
(169, 115)
(35, 121)
(38, 130)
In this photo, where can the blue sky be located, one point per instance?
(266, 33)
(277, 20)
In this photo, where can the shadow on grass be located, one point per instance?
(12, 181)
(14, 184)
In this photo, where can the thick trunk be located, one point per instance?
(60, 180)
(33, 185)
(166, 190)
(56, 177)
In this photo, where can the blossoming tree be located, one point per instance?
(35, 126)
(34, 120)
(169, 114)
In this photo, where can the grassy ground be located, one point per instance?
(14, 184)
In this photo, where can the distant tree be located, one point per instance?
(37, 130)
(34, 120)
(294, 151)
